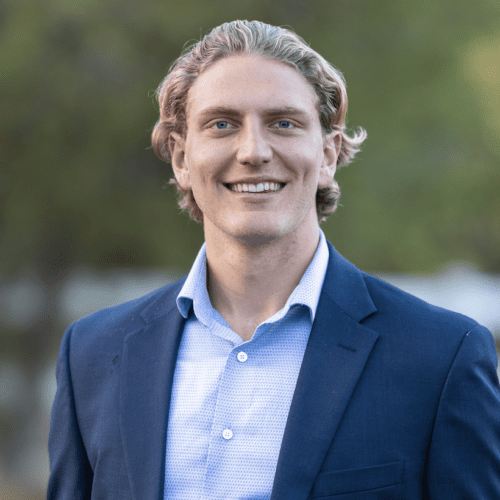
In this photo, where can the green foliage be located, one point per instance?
(80, 184)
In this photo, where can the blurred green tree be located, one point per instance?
(79, 183)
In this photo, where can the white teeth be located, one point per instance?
(255, 188)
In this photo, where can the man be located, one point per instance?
(275, 369)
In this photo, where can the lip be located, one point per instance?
(255, 180)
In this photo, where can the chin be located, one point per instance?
(257, 230)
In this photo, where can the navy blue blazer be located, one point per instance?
(396, 399)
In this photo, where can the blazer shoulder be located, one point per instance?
(384, 307)
(401, 307)
(426, 337)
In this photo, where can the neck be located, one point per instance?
(248, 284)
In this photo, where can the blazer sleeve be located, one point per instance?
(71, 474)
(464, 454)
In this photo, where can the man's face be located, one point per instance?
(254, 154)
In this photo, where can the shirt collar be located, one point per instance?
(194, 291)
(308, 290)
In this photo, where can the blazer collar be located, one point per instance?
(336, 353)
(345, 285)
(162, 301)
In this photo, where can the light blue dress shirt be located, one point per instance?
(230, 399)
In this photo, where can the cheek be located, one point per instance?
(196, 170)
(201, 184)
(197, 185)
(203, 162)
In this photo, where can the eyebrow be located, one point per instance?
(231, 112)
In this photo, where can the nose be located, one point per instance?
(253, 146)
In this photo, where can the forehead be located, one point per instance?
(251, 83)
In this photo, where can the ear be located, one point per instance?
(331, 150)
(177, 147)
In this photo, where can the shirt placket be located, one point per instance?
(227, 435)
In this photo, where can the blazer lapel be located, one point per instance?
(149, 357)
(335, 357)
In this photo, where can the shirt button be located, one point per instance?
(242, 357)
(227, 433)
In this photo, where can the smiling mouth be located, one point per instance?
(263, 187)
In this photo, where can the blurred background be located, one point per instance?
(86, 219)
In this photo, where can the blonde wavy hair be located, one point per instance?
(272, 42)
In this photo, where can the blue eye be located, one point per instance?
(222, 125)
(284, 124)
